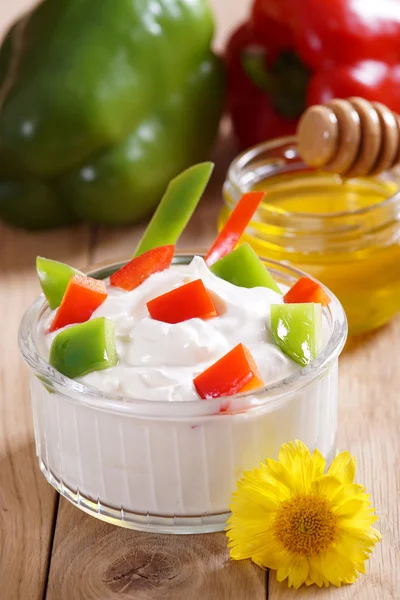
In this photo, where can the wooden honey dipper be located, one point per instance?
(351, 137)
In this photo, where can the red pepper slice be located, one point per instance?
(131, 275)
(185, 302)
(306, 290)
(235, 226)
(233, 373)
(82, 296)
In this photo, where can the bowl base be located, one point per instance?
(137, 521)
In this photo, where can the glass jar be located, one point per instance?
(171, 467)
(346, 233)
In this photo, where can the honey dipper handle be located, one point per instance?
(352, 137)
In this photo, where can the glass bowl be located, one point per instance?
(171, 467)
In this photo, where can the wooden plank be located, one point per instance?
(369, 427)
(27, 502)
(93, 560)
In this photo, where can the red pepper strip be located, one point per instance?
(188, 301)
(234, 227)
(140, 268)
(82, 296)
(306, 290)
(233, 373)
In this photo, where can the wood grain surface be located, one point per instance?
(94, 560)
(50, 550)
(27, 503)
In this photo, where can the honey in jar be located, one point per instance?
(345, 232)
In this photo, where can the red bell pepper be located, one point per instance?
(292, 54)
(131, 275)
(233, 373)
(306, 290)
(82, 296)
(188, 301)
(234, 227)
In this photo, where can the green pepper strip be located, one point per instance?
(176, 207)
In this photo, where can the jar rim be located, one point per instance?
(236, 166)
(112, 402)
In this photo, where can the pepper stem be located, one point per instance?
(286, 80)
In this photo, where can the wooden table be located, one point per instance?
(49, 549)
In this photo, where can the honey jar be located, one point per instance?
(343, 231)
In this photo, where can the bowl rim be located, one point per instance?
(270, 395)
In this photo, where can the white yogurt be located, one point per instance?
(158, 361)
(139, 465)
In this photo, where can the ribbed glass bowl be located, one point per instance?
(171, 467)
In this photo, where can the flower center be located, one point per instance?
(305, 525)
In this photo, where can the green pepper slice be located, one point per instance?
(54, 277)
(243, 268)
(297, 330)
(84, 348)
(176, 207)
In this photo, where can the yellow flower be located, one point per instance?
(309, 526)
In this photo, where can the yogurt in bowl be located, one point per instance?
(135, 444)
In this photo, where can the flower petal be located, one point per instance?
(337, 568)
(361, 520)
(274, 561)
(318, 465)
(275, 481)
(361, 527)
(343, 467)
(250, 536)
(347, 492)
(263, 545)
(326, 486)
(258, 497)
(280, 474)
(291, 452)
(315, 572)
(355, 551)
(288, 452)
(295, 570)
(349, 509)
(299, 572)
(296, 458)
(355, 548)
(271, 556)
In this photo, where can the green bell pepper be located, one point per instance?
(54, 277)
(297, 330)
(176, 207)
(243, 268)
(101, 105)
(81, 349)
